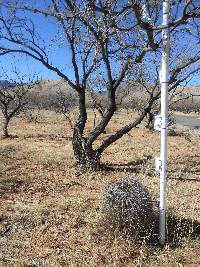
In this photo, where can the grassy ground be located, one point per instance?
(52, 216)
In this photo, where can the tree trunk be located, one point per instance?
(150, 122)
(86, 158)
(5, 128)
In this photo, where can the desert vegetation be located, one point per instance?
(78, 185)
(51, 215)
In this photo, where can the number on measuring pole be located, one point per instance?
(159, 164)
(158, 123)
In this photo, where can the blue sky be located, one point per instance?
(60, 57)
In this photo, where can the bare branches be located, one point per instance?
(147, 26)
(116, 136)
(64, 104)
(183, 66)
(13, 97)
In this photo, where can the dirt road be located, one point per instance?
(188, 121)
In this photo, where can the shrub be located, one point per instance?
(128, 204)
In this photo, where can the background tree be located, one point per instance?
(65, 104)
(106, 38)
(184, 69)
(13, 98)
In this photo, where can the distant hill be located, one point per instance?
(132, 94)
(4, 84)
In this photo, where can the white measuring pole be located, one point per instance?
(164, 115)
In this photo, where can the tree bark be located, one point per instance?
(150, 121)
(86, 158)
(5, 128)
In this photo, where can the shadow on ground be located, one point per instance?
(10, 186)
(131, 166)
(180, 228)
(49, 137)
(10, 136)
(185, 179)
(177, 231)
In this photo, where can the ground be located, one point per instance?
(52, 216)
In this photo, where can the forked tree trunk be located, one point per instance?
(86, 158)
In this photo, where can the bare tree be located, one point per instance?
(103, 37)
(13, 99)
(64, 104)
(184, 67)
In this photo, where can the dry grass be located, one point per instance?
(51, 216)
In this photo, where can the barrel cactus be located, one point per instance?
(127, 203)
